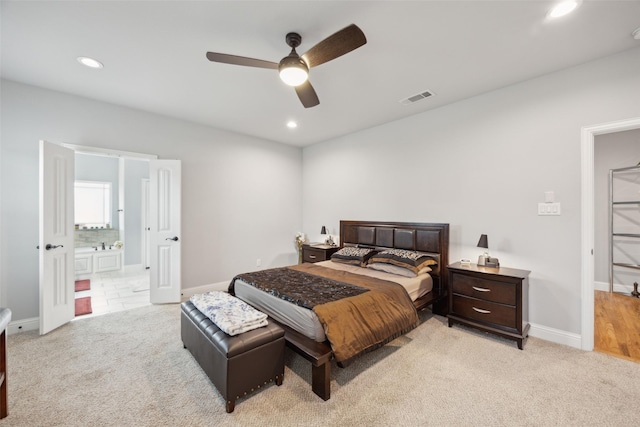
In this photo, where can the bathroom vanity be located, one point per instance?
(91, 260)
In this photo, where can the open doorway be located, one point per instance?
(617, 243)
(110, 275)
(588, 221)
(56, 234)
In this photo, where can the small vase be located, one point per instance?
(300, 257)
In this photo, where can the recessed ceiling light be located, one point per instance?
(291, 124)
(90, 62)
(563, 8)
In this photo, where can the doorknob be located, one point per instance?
(174, 238)
(50, 246)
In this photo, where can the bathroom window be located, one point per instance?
(92, 204)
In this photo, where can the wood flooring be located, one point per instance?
(617, 325)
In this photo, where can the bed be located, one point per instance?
(319, 324)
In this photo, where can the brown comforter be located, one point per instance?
(354, 324)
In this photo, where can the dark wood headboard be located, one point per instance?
(417, 236)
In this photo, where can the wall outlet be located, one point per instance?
(258, 262)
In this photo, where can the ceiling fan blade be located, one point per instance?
(334, 46)
(307, 95)
(240, 60)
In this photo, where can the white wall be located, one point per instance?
(613, 151)
(241, 196)
(483, 165)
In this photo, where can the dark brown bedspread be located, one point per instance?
(356, 322)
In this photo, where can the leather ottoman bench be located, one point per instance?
(236, 365)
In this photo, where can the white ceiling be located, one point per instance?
(154, 55)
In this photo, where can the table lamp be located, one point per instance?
(485, 259)
(328, 240)
(483, 243)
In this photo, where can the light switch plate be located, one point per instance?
(549, 208)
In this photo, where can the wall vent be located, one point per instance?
(416, 97)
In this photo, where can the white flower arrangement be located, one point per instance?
(301, 239)
(118, 244)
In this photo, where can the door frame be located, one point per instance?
(84, 149)
(122, 155)
(145, 250)
(588, 219)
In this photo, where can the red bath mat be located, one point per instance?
(83, 306)
(83, 285)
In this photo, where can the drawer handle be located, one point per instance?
(479, 310)
(312, 256)
(481, 289)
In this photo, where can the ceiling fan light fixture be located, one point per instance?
(293, 70)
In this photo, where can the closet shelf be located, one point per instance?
(622, 264)
(626, 235)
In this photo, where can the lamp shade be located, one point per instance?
(324, 230)
(483, 242)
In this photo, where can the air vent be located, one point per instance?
(416, 98)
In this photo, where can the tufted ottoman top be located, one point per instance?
(232, 345)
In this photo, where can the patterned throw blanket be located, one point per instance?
(358, 313)
(232, 315)
(300, 288)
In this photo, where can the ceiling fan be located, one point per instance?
(293, 68)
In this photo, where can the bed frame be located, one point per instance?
(423, 237)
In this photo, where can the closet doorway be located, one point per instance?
(590, 284)
(617, 323)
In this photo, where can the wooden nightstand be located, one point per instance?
(317, 253)
(494, 300)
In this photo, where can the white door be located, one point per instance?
(164, 236)
(56, 244)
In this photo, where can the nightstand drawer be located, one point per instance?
(488, 290)
(485, 311)
(313, 255)
(318, 253)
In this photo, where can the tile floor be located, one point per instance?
(116, 291)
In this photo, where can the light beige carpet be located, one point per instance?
(130, 369)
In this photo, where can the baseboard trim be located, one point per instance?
(617, 287)
(32, 324)
(220, 286)
(556, 335)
